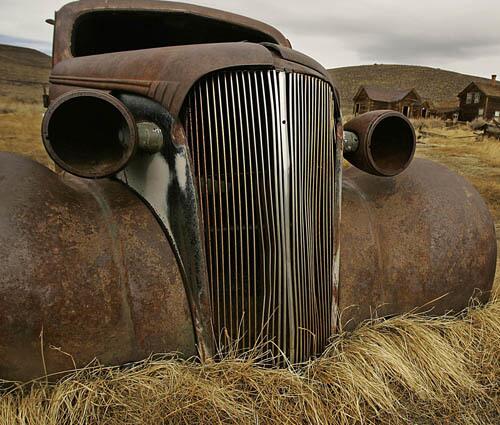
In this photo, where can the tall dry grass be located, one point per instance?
(419, 123)
(20, 129)
(405, 370)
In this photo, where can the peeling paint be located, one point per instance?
(181, 170)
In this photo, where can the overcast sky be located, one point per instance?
(460, 35)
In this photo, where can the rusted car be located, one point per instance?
(199, 202)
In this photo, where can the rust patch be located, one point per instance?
(87, 262)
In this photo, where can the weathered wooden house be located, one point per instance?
(445, 109)
(480, 100)
(406, 101)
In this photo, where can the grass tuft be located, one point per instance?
(409, 369)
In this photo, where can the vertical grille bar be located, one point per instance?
(273, 164)
(263, 149)
(265, 236)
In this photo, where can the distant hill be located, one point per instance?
(23, 72)
(431, 83)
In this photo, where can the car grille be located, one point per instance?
(262, 145)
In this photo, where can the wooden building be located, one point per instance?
(444, 109)
(406, 101)
(425, 108)
(480, 100)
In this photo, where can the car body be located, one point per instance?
(200, 206)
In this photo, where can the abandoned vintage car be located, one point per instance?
(199, 201)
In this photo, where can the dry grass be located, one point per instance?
(427, 123)
(23, 73)
(20, 129)
(403, 370)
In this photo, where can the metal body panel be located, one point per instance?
(166, 74)
(67, 15)
(164, 181)
(87, 272)
(424, 238)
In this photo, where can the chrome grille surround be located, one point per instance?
(263, 150)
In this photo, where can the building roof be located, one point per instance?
(443, 106)
(382, 94)
(489, 89)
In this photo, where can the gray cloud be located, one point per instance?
(413, 49)
(397, 32)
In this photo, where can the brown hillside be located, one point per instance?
(431, 83)
(23, 72)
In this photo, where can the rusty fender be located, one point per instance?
(408, 240)
(87, 272)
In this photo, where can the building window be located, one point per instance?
(406, 111)
(356, 109)
(477, 97)
(480, 113)
(469, 98)
(497, 114)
